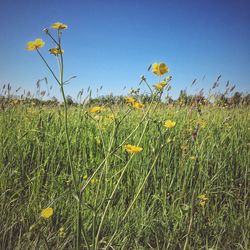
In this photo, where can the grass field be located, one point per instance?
(138, 175)
(187, 189)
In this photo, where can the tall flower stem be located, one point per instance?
(60, 82)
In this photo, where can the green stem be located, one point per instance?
(51, 71)
(143, 183)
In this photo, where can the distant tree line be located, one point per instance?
(184, 99)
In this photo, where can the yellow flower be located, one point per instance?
(132, 149)
(85, 177)
(56, 51)
(159, 69)
(93, 181)
(62, 232)
(202, 203)
(192, 158)
(96, 109)
(158, 86)
(47, 212)
(59, 26)
(169, 124)
(138, 105)
(161, 85)
(32, 45)
(130, 100)
(203, 199)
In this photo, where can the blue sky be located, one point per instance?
(112, 43)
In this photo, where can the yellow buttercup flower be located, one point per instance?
(161, 85)
(96, 109)
(138, 105)
(169, 124)
(93, 181)
(158, 86)
(47, 212)
(56, 51)
(62, 233)
(159, 69)
(59, 26)
(203, 199)
(37, 44)
(132, 149)
(202, 203)
(130, 100)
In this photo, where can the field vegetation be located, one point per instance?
(134, 172)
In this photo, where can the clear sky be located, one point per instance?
(112, 42)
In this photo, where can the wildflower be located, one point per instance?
(130, 100)
(192, 158)
(203, 199)
(96, 109)
(158, 86)
(59, 26)
(169, 124)
(47, 212)
(37, 44)
(62, 232)
(138, 105)
(159, 69)
(93, 181)
(85, 177)
(161, 85)
(132, 149)
(56, 51)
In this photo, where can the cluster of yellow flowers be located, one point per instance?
(135, 149)
(39, 43)
(134, 103)
(160, 69)
(203, 199)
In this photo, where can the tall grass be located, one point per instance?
(155, 204)
(121, 177)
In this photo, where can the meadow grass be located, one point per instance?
(135, 176)
(148, 200)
